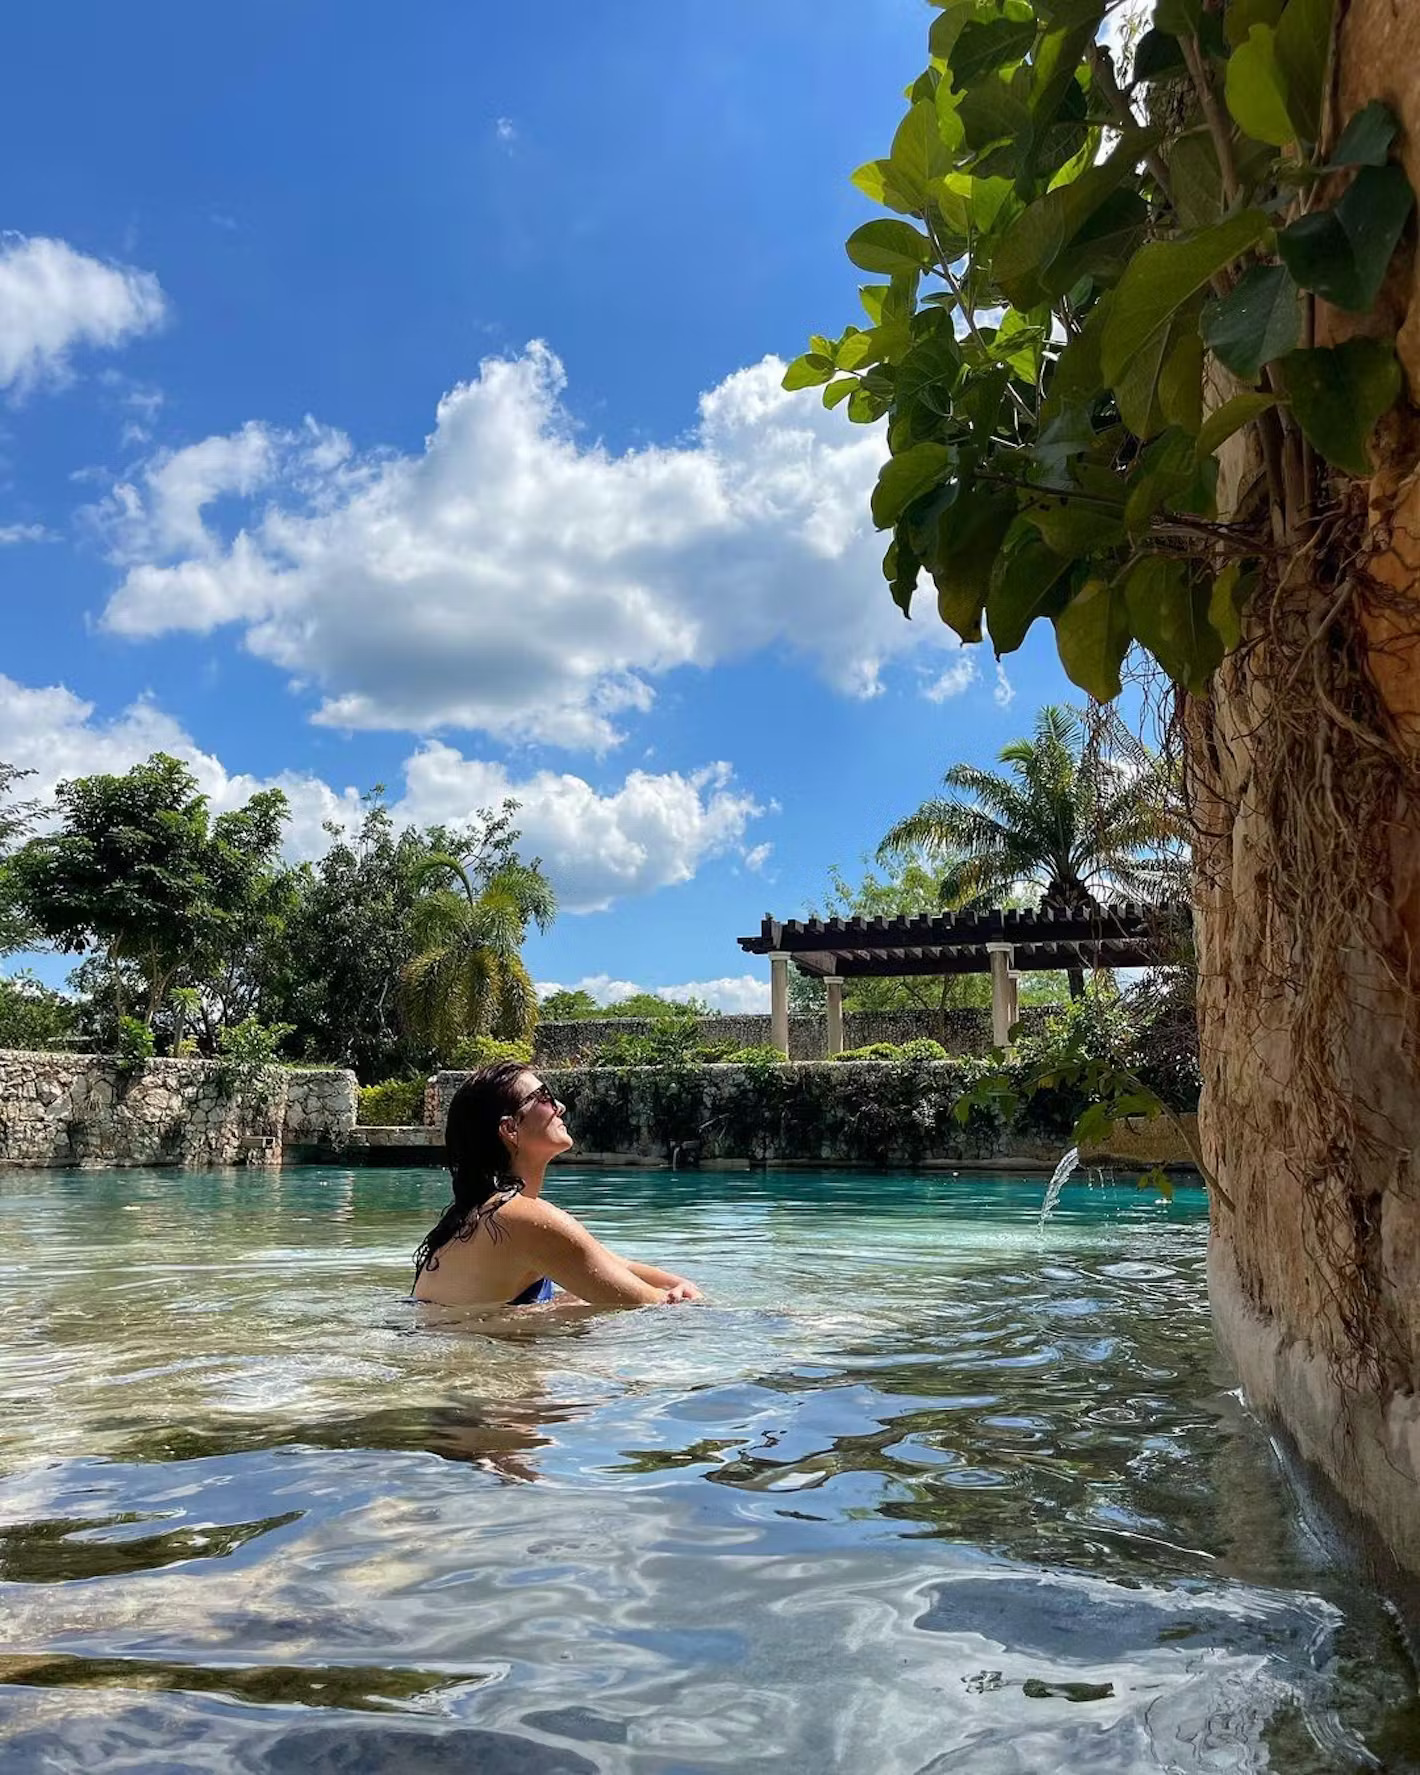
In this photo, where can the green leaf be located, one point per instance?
(1034, 241)
(1168, 473)
(1302, 47)
(1029, 582)
(1018, 343)
(808, 371)
(907, 477)
(890, 247)
(1258, 320)
(979, 401)
(982, 48)
(929, 371)
(875, 179)
(839, 391)
(900, 569)
(1256, 89)
(1195, 181)
(1366, 139)
(1092, 635)
(1162, 278)
(992, 113)
(1137, 390)
(1167, 605)
(1181, 381)
(918, 155)
(1242, 15)
(859, 350)
(1225, 603)
(969, 536)
(864, 406)
(1223, 421)
(1342, 254)
(1072, 528)
(1337, 394)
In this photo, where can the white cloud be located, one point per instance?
(506, 130)
(652, 832)
(739, 994)
(54, 299)
(514, 577)
(959, 676)
(1005, 692)
(755, 859)
(14, 533)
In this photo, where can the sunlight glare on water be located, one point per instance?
(924, 1486)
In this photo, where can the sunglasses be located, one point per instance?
(541, 1095)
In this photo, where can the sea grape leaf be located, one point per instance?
(1258, 320)
(1337, 393)
(1341, 254)
(969, 536)
(808, 371)
(984, 46)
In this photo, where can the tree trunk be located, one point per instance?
(1306, 772)
(1076, 978)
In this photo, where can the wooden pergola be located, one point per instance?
(1000, 943)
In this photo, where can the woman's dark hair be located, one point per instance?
(476, 1156)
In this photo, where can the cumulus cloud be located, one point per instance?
(652, 832)
(16, 533)
(738, 994)
(54, 300)
(515, 577)
(959, 676)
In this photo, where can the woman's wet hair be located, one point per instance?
(476, 1156)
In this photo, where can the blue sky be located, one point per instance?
(385, 399)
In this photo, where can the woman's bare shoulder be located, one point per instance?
(535, 1215)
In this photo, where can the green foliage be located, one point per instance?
(485, 1050)
(139, 871)
(567, 1007)
(922, 1048)
(32, 1015)
(135, 1044)
(872, 1051)
(17, 930)
(397, 1103)
(248, 1057)
(1061, 275)
(758, 1055)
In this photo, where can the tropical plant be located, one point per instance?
(17, 818)
(467, 976)
(1086, 299)
(33, 1015)
(1071, 819)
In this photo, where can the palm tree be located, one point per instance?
(467, 975)
(1086, 811)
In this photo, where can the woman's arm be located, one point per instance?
(663, 1279)
(561, 1247)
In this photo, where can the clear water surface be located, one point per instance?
(926, 1487)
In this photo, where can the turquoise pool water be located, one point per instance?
(926, 1487)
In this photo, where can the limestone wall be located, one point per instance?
(861, 1112)
(68, 1109)
(959, 1032)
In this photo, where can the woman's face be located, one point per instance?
(534, 1128)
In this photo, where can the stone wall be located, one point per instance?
(68, 1109)
(959, 1032)
(859, 1112)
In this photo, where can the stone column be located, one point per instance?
(835, 1014)
(779, 1003)
(1003, 993)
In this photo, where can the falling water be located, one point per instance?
(1059, 1177)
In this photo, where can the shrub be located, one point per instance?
(873, 1051)
(248, 1055)
(135, 1044)
(762, 1055)
(33, 1015)
(397, 1103)
(923, 1048)
(483, 1050)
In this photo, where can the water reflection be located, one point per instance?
(922, 1487)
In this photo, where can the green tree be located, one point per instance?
(17, 818)
(1070, 819)
(139, 872)
(651, 1005)
(568, 1006)
(32, 1015)
(477, 897)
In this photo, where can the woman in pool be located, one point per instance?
(504, 1127)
